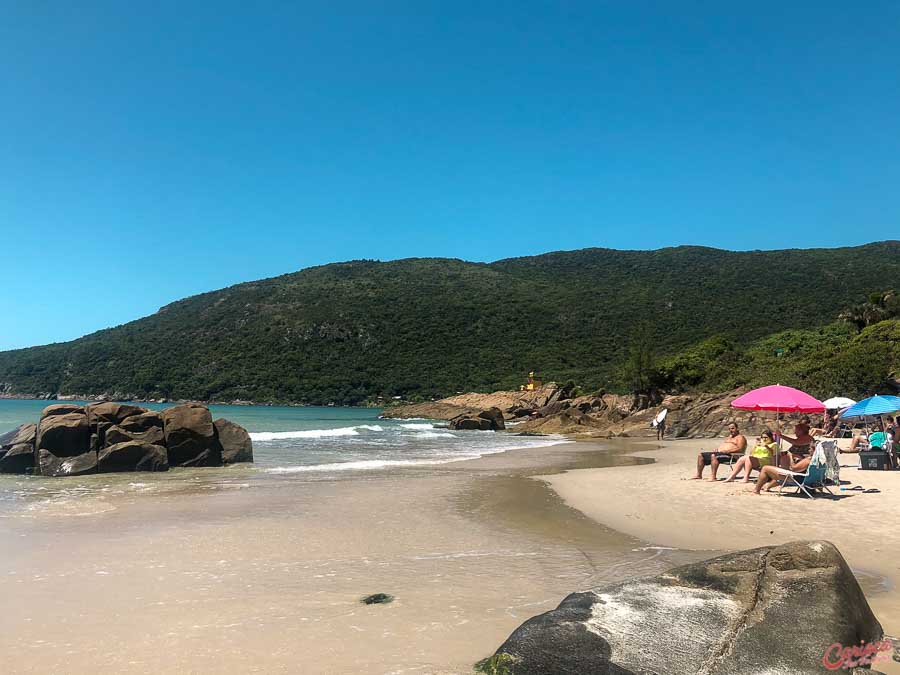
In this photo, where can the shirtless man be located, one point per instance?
(735, 444)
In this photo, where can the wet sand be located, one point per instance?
(244, 576)
(656, 502)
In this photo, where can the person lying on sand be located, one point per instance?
(860, 442)
(770, 476)
(735, 444)
(762, 455)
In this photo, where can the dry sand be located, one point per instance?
(656, 502)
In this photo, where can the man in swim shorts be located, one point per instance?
(735, 444)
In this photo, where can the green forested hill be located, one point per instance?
(349, 332)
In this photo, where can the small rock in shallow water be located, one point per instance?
(377, 599)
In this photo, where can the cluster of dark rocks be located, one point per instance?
(74, 440)
(485, 420)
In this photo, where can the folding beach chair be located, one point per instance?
(812, 479)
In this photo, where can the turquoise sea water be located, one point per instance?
(290, 445)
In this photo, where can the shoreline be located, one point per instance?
(657, 503)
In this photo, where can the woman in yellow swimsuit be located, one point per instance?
(762, 455)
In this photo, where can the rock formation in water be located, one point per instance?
(486, 420)
(73, 440)
(777, 609)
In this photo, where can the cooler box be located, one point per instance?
(873, 460)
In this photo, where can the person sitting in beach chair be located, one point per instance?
(761, 455)
(801, 444)
(811, 480)
(770, 476)
(732, 446)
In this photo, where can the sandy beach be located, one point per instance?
(232, 574)
(657, 503)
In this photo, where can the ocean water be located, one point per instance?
(290, 444)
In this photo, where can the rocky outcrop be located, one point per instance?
(17, 449)
(234, 444)
(513, 404)
(775, 610)
(190, 436)
(486, 420)
(132, 456)
(71, 440)
(432, 410)
(553, 409)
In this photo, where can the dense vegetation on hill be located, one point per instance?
(350, 332)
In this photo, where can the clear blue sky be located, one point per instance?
(150, 151)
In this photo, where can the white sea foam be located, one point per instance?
(434, 434)
(367, 464)
(417, 426)
(313, 433)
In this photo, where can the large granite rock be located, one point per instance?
(117, 434)
(17, 459)
(17, 449)
(110, 412)
(65, 435)
(24, 433)
(132, 456)
(61, 409)
(233, 441)
(142, 422)
(77, 465)
(767, 610)
(190, 436)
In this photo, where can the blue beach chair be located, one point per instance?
(812, 479)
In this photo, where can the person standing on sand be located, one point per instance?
(661, 429)
(735, 444)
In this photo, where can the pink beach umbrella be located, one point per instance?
(778, 399)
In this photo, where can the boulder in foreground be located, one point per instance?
(774, 610)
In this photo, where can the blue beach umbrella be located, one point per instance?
(873, 406)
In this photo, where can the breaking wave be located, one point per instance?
(313, 433)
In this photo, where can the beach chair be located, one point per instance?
(812, 479)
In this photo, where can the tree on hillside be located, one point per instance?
(880, 307)
(639, 370)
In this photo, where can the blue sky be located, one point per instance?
(150, 151)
